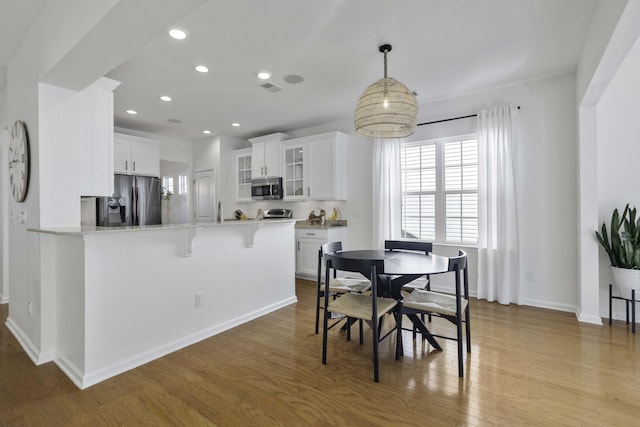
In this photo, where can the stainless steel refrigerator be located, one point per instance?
(137, 200)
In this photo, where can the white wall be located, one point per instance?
(545, 174)
(603, 55)
(546, 177)
(618, 133)
(4, 185)
(24, 259)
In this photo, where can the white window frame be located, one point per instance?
(440, 193)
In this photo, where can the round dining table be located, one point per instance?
(400, 268)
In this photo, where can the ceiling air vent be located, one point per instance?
(271, 87)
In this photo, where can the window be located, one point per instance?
(440, 190)
(167, 183)
(183, 184)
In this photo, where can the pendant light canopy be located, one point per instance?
(387, 109)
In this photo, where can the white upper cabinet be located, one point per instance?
(314, 167)
(136, 156)
(265, 155)
(96, 145)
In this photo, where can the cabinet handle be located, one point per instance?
(265, 171)
(261, 170)
(298, 244)
(308, 191)
(134, 165)
(126, 165)
(309, 234)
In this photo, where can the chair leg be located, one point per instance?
(324, 336)
(361, 331)
(460, 361)
(317, 310)
(376, 341)
(348, 325)
(467, 322)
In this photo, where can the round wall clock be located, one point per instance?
(19, 161)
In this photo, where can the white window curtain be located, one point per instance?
(498, 243)
(387, 191)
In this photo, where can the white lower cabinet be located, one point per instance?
(308, 242)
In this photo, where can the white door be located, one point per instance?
(204, 189)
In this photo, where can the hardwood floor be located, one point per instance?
(528, 366)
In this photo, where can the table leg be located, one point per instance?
(424, 331)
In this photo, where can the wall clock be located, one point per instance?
(19, 161)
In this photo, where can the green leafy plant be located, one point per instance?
(623, 246)
(166, 194)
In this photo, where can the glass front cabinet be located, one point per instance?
(293, 178)
(243, 175)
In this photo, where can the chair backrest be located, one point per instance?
(408, 245)
(370, 268)
(327, 248)
(458, 264)
(331, 247)
(357, 265)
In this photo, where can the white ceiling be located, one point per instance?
(440, 49)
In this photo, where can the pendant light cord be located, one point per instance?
(385, 63)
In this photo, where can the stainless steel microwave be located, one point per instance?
(266, 188)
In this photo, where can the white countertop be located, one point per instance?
(105, 230)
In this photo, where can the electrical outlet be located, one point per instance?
(29, 308)
(199, 300)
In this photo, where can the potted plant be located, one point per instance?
(623, 248)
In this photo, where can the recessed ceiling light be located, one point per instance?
(165, 98)
(235, 125)
(132, 112)
(178, 33)
(202, 69)
(263, 75)
(206, 132)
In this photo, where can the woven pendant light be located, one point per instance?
(386, 109)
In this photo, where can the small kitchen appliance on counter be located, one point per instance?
(277, 213)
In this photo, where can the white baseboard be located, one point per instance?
(4, 299)
(589, 318)
(71, 370)
(91, 378)
(27, 345)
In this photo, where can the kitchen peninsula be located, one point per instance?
(125, 296)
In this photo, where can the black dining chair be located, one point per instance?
(337, 285)
(452, 307)
(368, 307)
(411, 246)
